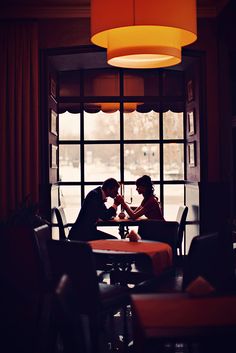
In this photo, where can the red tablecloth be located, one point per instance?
(158, 317)
(160, 253)
(157, 314)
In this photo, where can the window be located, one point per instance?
(123, 131)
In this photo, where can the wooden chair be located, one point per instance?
(46, 332)
(170, 232)
(181, 219)
(95, 300)
(71, 324)
(62, 222)
(43, 236)
(162, 231)
(22, 290)
(203, 259)
(207, 258)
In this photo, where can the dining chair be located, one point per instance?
(170, 232)
(202, 259)
(162, 231)
(46, 332)
(42, 237)
(98, 301)
(181, 219)
(71, 325)
(205, 259)
(62, 222)
(22, 290)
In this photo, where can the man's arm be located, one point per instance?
(106, 213)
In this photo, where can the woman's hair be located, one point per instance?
(146, 181)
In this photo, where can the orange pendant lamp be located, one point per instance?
(143, 33)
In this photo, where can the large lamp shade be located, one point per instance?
(143, 33)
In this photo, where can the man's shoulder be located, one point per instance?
(97, 190)
(95, 193)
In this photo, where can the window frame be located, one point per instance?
(121, 142)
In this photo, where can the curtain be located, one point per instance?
(19, 117)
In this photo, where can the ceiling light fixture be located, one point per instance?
(143, 34)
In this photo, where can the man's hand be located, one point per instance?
(119, 200)
(116, 202)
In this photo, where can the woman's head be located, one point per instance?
(144, 185)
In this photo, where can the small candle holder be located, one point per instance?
(121, 215)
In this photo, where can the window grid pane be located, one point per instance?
(69, 126)
(121, 155)
(70, 198)
(69, 162)
(174, 161)
(102, 125)
(173, 198)
(141, 126)
(173, 126)
(140, 159)
(101, 162)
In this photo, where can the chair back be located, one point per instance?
(204, 260)
(62, 222)
(181, 219)
(72, 325)
(22, 289)
(43, 236)
(163, 231)
(76, 259)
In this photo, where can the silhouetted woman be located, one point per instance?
(149, 206)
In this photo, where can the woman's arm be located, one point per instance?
(139, 211)
(133, 214)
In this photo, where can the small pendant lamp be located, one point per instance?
(143, 33)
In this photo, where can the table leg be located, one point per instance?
(123, 231)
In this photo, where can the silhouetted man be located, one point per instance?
(94, 208)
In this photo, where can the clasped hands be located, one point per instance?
(119, 200)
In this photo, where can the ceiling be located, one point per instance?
(80, 8)
(55, 9)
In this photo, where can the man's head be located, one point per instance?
(110, 187)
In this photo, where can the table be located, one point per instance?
(159, 253)
(157, 317)
(123, 224)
